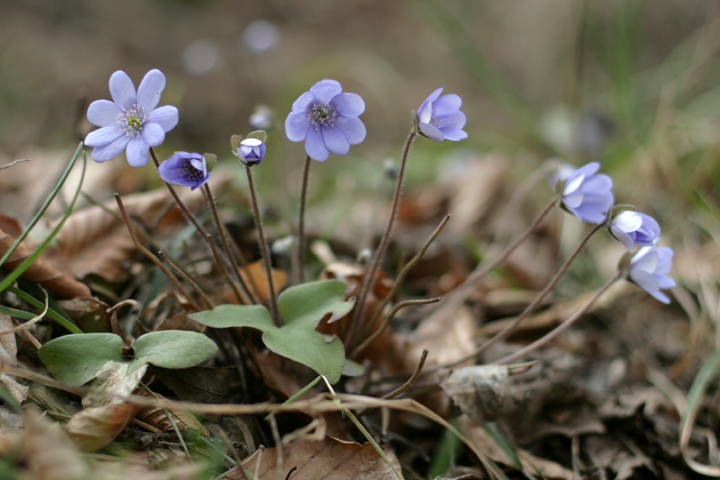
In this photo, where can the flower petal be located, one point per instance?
(335, 140)
(348, 104)
(573, 184)
(315, 147)
(122, 90)
(303, 103)
(665, 260)
(425, 111)
(644, 280)
(110, 151)
(103, 136)
(661, 297)
(150, 89)
(166, 117)
(453, 134)
(153, 134)
(296, 127)
(587, 170)
(589, 214)
(103, 113)
(627, 221)
(622, 237)
(137, 152)
(645, 260)
(325, 90)
(431, 132)
(446, 105)
(597, 185)
(665, 282)
(353, 128)
(456, 120)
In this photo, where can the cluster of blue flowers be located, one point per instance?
(326, 119)
(589, 197)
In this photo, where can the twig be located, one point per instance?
(152, 257)
(15, 162)
(37, 378)
(369, 278)
(178, 271)
(416, 374)
(264, 249)
(389, 319)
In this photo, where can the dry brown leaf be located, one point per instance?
(94, 241)
(330, 459)
(90, 314)
(95, 427)
(531, 464)
(255, 272)
(183, 419)
(48, 453)
(41, 271)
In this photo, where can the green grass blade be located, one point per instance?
(45, 206)
(15, 274)
(709, 370)
(52, 313)
(11, 312)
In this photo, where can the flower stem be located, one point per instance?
(560, 328)
(264, 249)
(226, 246)
(505, 332)
(300, 273)
(368, 279)
(178, 271)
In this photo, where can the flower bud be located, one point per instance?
(251, 151)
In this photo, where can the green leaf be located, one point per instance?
(226, 316)
(172, 349)
(75, 359)
(302, 307)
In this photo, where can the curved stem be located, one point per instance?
(368, 279)
(178, 271)
(264, 249)
(505, 332)
(560, 328)
(300, 274)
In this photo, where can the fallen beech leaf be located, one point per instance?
(330, 459)
(95, 427)
(41, 271)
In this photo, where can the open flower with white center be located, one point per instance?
(327, 120)
(649, 268)
(633, 228)
(251, 151)
(440, 118)
(185, 169)
(130, 122)
(588, 196)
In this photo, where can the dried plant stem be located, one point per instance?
(387, 321)
(416, 374)
(300, 274)
(244, 266)
(223, 271)
(368, 279)
(505, 332)
(264, 249)
(560, 328)
(178, 271)
(404, 272)
(223, 238)
(152, 257)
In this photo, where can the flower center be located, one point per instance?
(131, 121)
(436, 122)
(189, 172)
(322, 115)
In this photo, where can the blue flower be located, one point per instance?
(251, 151)
(185, 169)
(648, 270)
(440, 118)
(633, 228)
(327, 120)
(588, 196)
(130, 122)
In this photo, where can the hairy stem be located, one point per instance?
(300, 273)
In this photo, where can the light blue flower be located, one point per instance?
(251, 151)
(648, 270)
(327, 120)
(633, 228)
(588, 196)
(185, 169)
(130, 122)
(440, 118)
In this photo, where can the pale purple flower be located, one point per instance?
(327, 120)
(251, 151)
(648, 270)
(588, 196)
(633, 228)
(130, 122)
(185, 169)
(440, 118)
